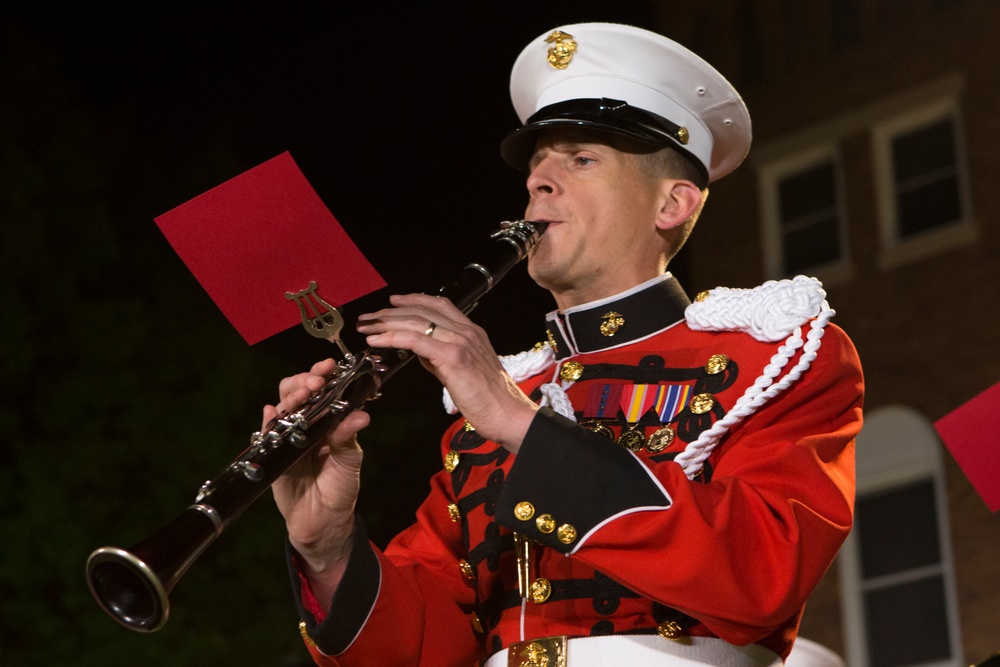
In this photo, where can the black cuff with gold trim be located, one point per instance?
(566, 480)
(352, 602)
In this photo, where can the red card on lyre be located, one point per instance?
(972, 435)
(262, 234)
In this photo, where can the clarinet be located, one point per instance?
(133, 585)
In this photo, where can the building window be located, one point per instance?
(803, 219)
(921, 180)
(899, 590)
(925, 177)
(902, 583)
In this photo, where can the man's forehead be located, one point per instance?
(567, 139)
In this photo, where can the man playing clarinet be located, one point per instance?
(661, 481)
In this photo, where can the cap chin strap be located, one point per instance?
(643, 125)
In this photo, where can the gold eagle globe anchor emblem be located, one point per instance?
(535, 656)
(612, 323)
(544, 652)
(561, 52)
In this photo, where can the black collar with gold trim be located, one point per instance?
(640, 312)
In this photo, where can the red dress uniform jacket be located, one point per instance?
(621, 541)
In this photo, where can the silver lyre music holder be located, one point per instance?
(319, 318)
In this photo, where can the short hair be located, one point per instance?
(668, 162)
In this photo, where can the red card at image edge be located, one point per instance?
(259, 235)
(970, 433)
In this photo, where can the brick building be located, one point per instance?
(873, 168)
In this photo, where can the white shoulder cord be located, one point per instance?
(776, 309)
(769, 313)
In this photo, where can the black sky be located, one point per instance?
(394, 113)
(124, 388)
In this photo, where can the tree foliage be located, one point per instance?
(122, 389)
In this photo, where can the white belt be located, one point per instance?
(632, 650)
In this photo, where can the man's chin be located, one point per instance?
(545, 275)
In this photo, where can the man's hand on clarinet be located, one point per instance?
(460, 355)
(317, 495)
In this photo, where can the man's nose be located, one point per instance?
(541, 178)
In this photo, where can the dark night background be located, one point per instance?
(123, 387)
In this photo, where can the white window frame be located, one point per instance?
(894, 250)
(898, 446)
(771, 174)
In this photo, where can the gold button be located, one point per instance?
(545, 523)
(701, 403)
(468, 571)
(716, 364)
(453, 513)
(524, 510)
(467, 426)
(683, 135)
(571, 371)
(670, 630)
(451, 461)
(477, 624)
(541, 589)
(701, 296)
(566, 533)
(612, 323)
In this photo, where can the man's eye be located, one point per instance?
(583, 160)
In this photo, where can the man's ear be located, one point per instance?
(681, 200)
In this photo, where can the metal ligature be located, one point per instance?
(133, 585)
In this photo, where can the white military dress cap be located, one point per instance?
(632, 82)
